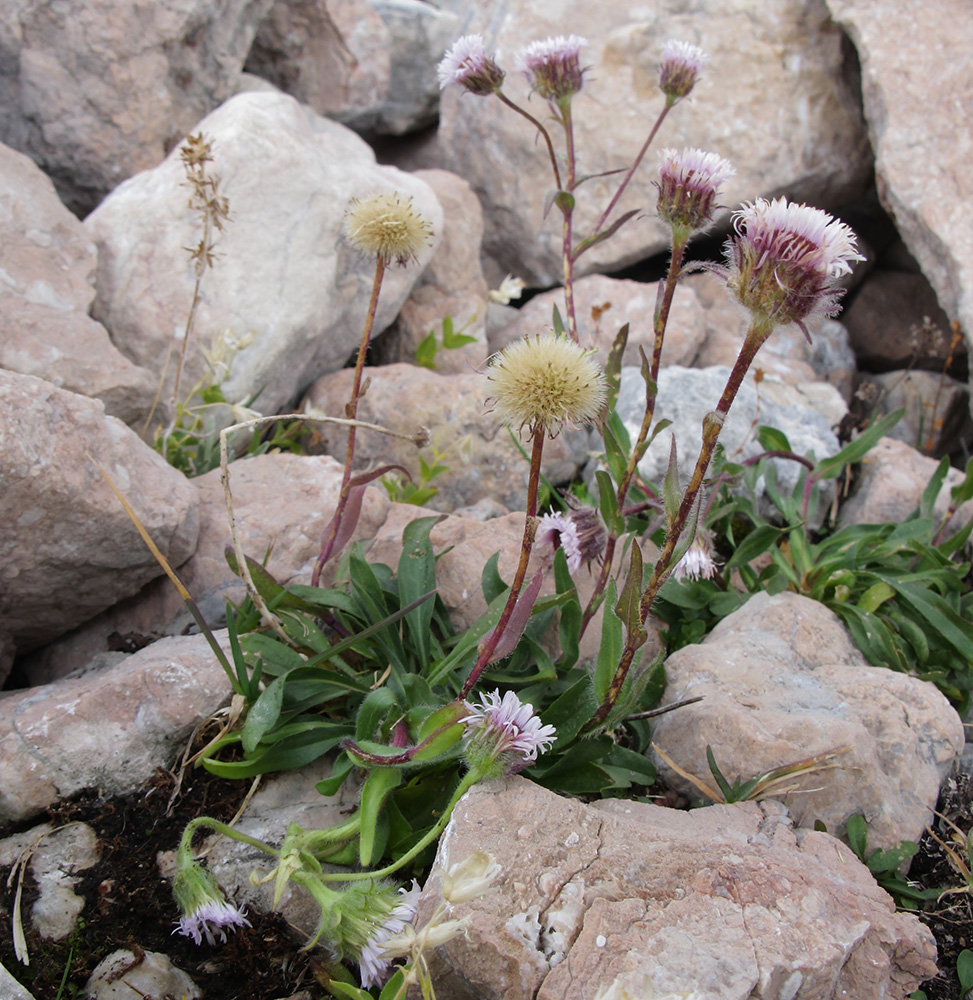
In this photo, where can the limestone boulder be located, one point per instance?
(109, 729)
(603, 305)
(98, 91)
(776, 99)
(68, 550)
(781, 681)
(482, 459)
(282, 504)
(286, 284)
(937, 409)
(891, 480)
(901, 49)
(724, 903)
(48, 266)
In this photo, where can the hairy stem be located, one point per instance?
(492, 640)
(351, 411)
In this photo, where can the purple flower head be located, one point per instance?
(689, 183)
(467, 64)
(784, 259)
(552, 66)
(503, 735)
(205, 910)
(373, 965)
(211, 920)
(681, 66)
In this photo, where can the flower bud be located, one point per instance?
(681, 66)
(552, 66)
(467, 64)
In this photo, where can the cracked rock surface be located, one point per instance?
(723, 903)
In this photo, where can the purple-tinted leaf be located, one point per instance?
(518, 619)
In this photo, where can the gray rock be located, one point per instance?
(11, 989)
(724, 903)
(286, 280)
(67, 548)
(901, 50)
(55, 858)
(686, 395)
(123, 976)
(774, 99)
(111, 730)
(781, 681)
(99, 92)
(419, 35)
(47, 265)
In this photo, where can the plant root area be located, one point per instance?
(128, 904)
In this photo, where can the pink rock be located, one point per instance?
(900, 53)
(483, 461)
(781, 681)
(110, 729)
(49, 265)
(100, 91)
(723, 903)
(282, 503)
(67, 548)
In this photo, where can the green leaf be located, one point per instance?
(610, 650)
(569, 624)
(613, 366)
(556, 322)
(670, 486)
(772, 439)
(308, 742)
(263, 714)
(964, 969)
(891, 858)
(755, 544)
(608, 504)
(629, 600)
(931, 492)
(417, 576)
(426, 351)
(571, 710)
(394, 986)
(342, 767)
(340, 989)
(857, 834)
(490, 580)
(379, 784)
(931, 607)
(857, 449)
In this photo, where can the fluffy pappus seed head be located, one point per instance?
(553, 67)
(467, 64)
(540, 382)
(689, 184)
(387, 226)
(681, 66)
(783, 260)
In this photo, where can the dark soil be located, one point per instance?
(128, 904)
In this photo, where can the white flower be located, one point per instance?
(470, 878)
(783, 260)
(689, 182)
(510, 288)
